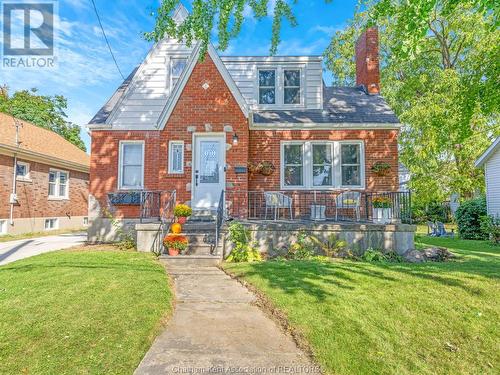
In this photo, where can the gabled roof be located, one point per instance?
(341, 105)
(488, 153)
(40, 143)
(193, 59)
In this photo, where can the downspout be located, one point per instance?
(14, 173)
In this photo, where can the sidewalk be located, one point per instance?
(216, 329)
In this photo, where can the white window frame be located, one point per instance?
(307, 178)
(171, 66)
(280, 86)
(57, 196)
(300, 87)
(27, 176)
(276, 86)
(120, 166)
(171, 169)
(3, 227)
(56, 223)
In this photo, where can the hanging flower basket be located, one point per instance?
(266, 168)
(381, 168)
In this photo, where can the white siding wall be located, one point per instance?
(243, 70)
(492, 174)
(147, 95)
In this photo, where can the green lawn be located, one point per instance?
(80, 312)
(376, 318)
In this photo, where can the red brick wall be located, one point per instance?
(196, 107)
(367, 61)
(380, 145)
(33, 196)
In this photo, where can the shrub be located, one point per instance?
(243, 250)
(182, 210)
(433, 211)
(372, 255)
(332, 246)
(302, 248)
(491, 227)
(468, 218)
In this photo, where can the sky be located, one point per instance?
(86, 75)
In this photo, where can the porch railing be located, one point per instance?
(316, 205)
(167, 218)
(220, 218)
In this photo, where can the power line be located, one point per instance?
(106, 39)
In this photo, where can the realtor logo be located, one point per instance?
(28, 34)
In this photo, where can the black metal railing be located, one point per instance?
(220, 219)
(167, 218)
(319, 205)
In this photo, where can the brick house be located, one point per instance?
(43, 178)
(201, 127)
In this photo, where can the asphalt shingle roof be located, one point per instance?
(340, 105)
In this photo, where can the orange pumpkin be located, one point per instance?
(176, 228)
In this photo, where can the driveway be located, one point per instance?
(19, 249)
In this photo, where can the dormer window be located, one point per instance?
(177, 65)
(267, 86)
(291, 78)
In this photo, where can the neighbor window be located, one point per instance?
(176, 157)
(267, 86)
(85, 220)
(51, 224)
(22, 170)
(293, 156)
(322, 165)
(350, 155)
(131, 167)
(58, 184)
(177, 66)
(3, 227)
(291, 83)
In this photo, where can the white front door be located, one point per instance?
(209, 176)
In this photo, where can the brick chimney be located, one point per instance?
(367, 61)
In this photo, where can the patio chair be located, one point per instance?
(432, 229)
(276, 201)
(348, 200)
(441, 230)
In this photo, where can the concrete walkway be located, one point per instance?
(19, 249)
(216, 329)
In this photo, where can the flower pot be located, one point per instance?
(318, 212)
(181, 220)
(173, 252)
(382, 215)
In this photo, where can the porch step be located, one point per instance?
(203, 216)
(191, 260)
(199, 227)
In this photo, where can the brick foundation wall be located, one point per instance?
(198, 110)
(33, 195)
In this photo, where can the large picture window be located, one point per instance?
(131, 167)
(322, 165)
(267, 86)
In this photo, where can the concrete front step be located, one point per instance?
(198, 227)
(199, 249)
(191, 260)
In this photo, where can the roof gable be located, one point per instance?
(188, 70)
(495, 146)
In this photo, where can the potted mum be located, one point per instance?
(175, 243)
(382, 210)
(182, 212)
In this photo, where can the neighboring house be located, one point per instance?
(180, 123)
(43, 179)
(404, 177)
(490, 160)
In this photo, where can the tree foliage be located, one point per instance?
(45, 111)
(440, 73)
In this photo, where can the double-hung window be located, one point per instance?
(176, 157)
(322, 165)
(131, 165)
(58, 184)
(291, 83)
(267, 86)
(177, 65)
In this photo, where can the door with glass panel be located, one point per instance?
(208, 176)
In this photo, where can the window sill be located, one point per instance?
(24, 179)
(58, 198)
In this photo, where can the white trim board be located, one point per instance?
(488, 153)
